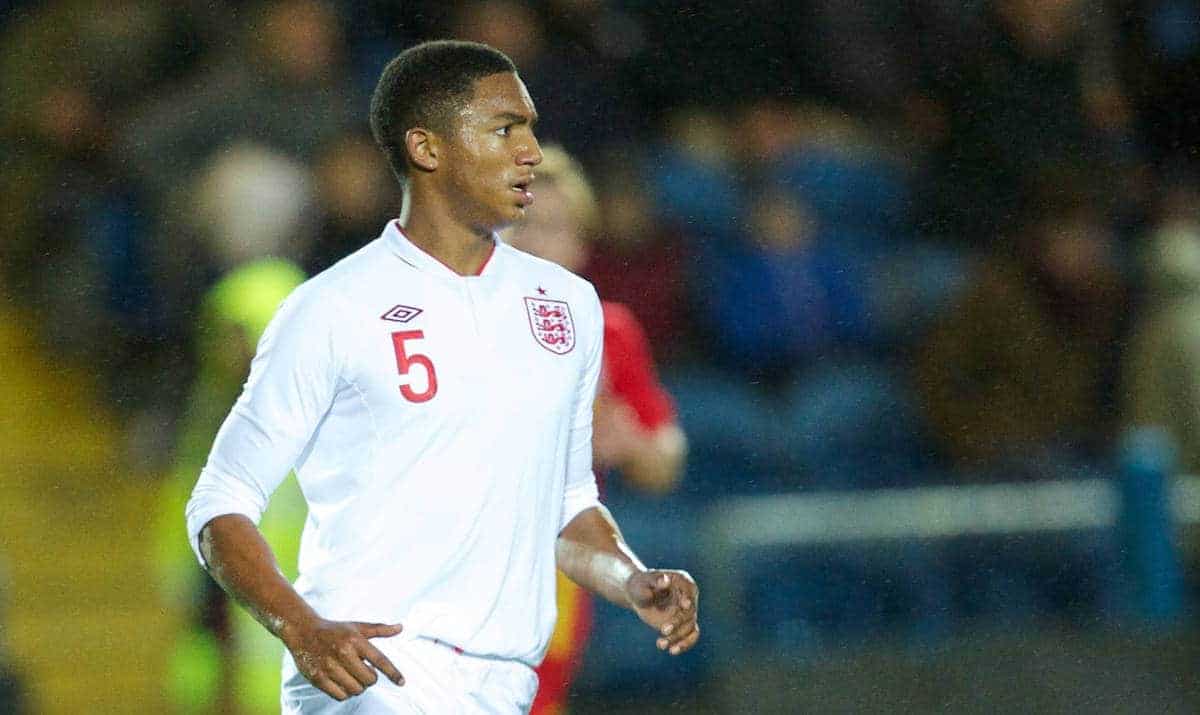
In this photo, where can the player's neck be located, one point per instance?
(436, 231)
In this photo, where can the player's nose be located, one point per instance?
(531, 153)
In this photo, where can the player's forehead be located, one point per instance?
(500, 96)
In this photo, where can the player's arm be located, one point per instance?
(330, 653)
(592, 552)
(293, 381)
(590, 549)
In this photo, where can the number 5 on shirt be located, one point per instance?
(405, 361)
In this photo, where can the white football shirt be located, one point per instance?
(440, 427)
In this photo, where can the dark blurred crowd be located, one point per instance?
(872, 243)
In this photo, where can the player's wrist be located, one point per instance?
(631, 586)
(292, 630)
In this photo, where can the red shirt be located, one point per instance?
(651, 283)
(628, 371)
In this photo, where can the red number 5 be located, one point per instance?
(404, 362)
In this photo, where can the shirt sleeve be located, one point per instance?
(581, 492)
(629, 368)
(291, 387)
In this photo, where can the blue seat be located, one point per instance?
(808, 598)
(1072, 576)
(735, 445)
(854, 426)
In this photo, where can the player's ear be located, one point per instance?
(423, 148)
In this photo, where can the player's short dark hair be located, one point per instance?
(423, 86)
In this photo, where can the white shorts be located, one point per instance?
(437, 680)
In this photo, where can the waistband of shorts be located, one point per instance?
(456, 649)
(466, 654)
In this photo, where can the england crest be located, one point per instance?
(550, 321)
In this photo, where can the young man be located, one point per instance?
(635, 429)
(433, 392)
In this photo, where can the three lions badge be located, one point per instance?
(551, 323)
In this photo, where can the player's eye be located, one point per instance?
(504, 130)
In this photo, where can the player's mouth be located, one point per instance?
(524, 195)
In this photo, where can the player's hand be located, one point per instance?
(668, 601)
(337, 656)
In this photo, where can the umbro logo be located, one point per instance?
(401, 313)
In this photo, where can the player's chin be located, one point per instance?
(506, 216)
(515, 213)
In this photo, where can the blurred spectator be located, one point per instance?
(1161, 386)
(281, 85)
(857, 185)
(252, 211)
(692, 175)
(1025, 85)
(248, 202)
(83, 224)
(1017, 373)
(76, 245)
(75, 250)
(573, 88)
(855, 56)
(783, 294)
(355, 198)
(1161, 65)
(115, 52)
(252, 202)
(636, 260)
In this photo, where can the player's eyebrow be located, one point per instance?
(515, 118)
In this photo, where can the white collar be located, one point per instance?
(417, 257)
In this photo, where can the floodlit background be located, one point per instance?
(923, 278)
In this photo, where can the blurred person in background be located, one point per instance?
(100, 144)
(1018, 87)
(782, 295)
(69, 73)
(253, 212)
(635, 431)
(639, 261)
(1161, 66)
(279, 83)
(574, 87)
(1016, 378)
(689, 176)
(82, 229)
(1161, 375)
(351, 181)
(252, 201)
